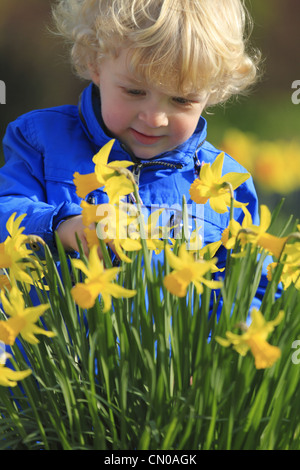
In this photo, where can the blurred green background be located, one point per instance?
(35, 67)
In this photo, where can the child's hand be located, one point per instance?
(67, 233)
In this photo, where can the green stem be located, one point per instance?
(228, 257)
(143, 236)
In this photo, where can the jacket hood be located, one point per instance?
(89, 108)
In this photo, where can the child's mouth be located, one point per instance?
(145, 139)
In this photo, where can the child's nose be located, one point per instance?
(154, 118)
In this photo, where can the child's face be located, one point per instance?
(147, 120)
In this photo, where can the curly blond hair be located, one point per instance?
(190, 45)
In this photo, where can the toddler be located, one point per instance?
(153, 67)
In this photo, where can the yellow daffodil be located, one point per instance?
(113, 221)
(118, 227)
(98, 281)
(14, 254)
(254, 234)
(194, 245)
(187, 270)
(9, 377)
(254, 338)
(212, 186)
(22, 319)
(10, 248)
(114, 177)
(88, 183)
(153, 233)
(291, 266)
(119, 224)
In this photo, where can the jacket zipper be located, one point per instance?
(137, 167)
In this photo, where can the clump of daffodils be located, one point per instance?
(123, 228)
(20, 266)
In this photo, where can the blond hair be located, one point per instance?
(190, 45)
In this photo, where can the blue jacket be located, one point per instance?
(44, 148)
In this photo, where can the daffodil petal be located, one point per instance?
(210, 249)
(79, 264)
(173, 260)
(119, 292)
(131, 245)
(264, 353)
(207, 177)
(120, 164)
(265, 217)
(85, 183)
(118, 186)
(212, 284)
(177, 286)
(84, 295)
(12, 226)
(217, 166)
(103, 154)
(218, 204)
(9, 377)
(235, 179)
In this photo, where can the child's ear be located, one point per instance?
(94, 73)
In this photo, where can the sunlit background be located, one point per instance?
(261, 131)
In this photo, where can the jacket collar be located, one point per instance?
(89, 109)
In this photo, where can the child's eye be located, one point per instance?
(134, 92)
(183, 101)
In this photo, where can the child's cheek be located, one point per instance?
(113, 121)
(183, 130)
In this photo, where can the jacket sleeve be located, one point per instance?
(23, 188)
